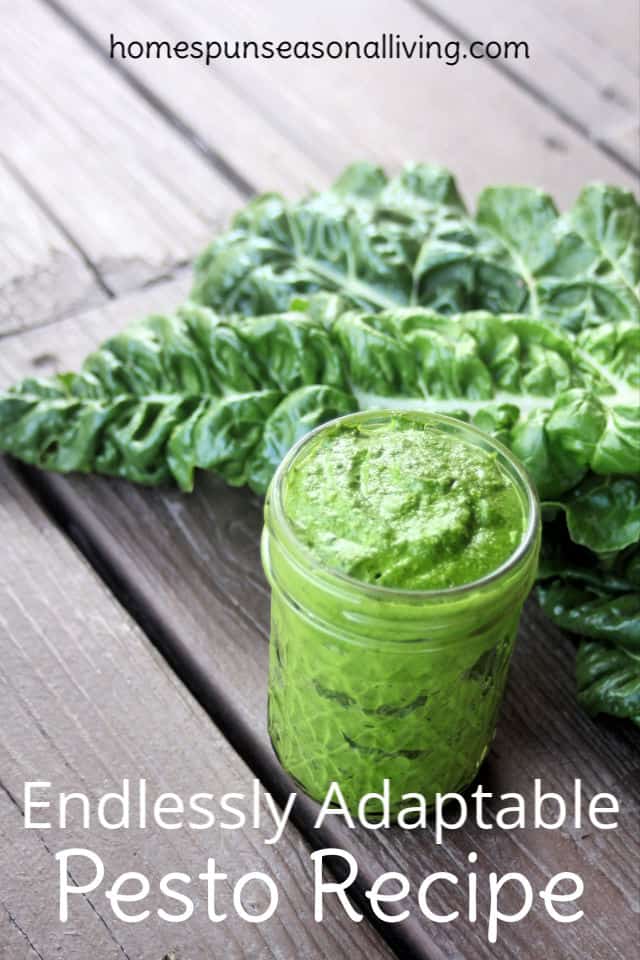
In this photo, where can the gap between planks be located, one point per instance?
(217, 160)
(114, 186)
(535, 89)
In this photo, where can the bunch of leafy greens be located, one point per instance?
(387, 294)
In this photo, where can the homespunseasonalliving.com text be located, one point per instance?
(387, 46)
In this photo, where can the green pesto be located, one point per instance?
(403, 505)
(388, 674)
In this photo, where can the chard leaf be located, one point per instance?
(294, 416)
(594, 275)
(560, 558)
(603, 513)
(366, 238)
(172, 394)
(608, 680)
(591, 612)
(522, 220)
(597, 598)
(231, 394)
(606, 218)
(408, 241)
(527, 383)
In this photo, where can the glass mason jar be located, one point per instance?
(369, 682)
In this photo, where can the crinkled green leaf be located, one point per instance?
(603, 513)
(580, 269)
(367, 238)
(521, 221)
(383, 242)
(560, 556)
(531, 385)
(608, 680)
(591, 612)
(295, 415)
(173, 394)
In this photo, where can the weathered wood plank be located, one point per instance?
(259, 149)
(133, 194)
(42, 277)
(613, 25)
(144, 185)
(191, 569)
(15, 943)
(86, 702)
(469, 117)
(574, 61)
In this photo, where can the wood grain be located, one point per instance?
(86, 701)
(469, 117)
(258, 147)
(42, 276)
(189, 567)
(614, 26)
(130, 191)
(574, 64)
(15, 944)
(113, 182)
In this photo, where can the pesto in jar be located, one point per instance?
(404, 506)
(400, 547)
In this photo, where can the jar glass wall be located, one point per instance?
(370, 683)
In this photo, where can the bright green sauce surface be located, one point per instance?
(403, 505)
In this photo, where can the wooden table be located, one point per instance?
(134, 622)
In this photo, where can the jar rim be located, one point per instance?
(381, 592)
